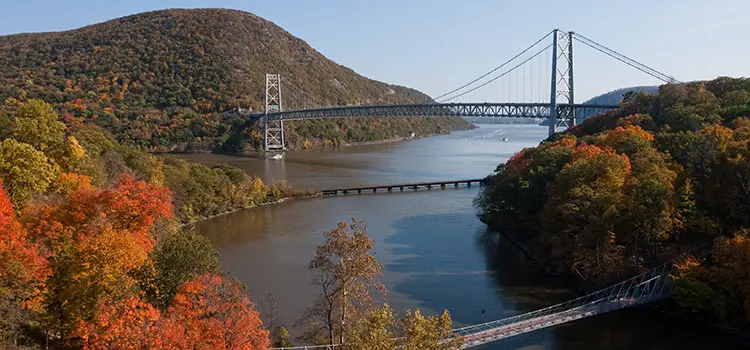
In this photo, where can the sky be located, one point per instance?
(437, 45)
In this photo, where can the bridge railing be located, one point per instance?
(652, 285)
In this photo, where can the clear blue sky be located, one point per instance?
(436, 45)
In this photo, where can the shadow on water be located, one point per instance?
(501, 282)
(486, 280)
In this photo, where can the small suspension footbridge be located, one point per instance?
(653, 285)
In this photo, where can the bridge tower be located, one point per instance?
(273, 139)
(562, 81)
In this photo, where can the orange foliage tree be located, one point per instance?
(129, 324)
(209, 312)
(217, 314)
(95, 239)
(22, 271)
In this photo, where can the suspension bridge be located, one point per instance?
(653, 285)
(515, 78)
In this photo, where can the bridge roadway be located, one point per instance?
(513, 110)
(479, 338)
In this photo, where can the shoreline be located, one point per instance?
(279, 201)
(319, 147)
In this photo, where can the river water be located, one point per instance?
(437, 255)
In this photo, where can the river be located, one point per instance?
(437, 255)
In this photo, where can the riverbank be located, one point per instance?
(296, 195)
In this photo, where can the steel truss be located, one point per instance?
(273, 138)
(513, 110)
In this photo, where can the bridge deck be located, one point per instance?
(401, 187)
(545, 321)
(514, 110)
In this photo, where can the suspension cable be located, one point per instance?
(625, 59)
(497, 77)
(496, 68)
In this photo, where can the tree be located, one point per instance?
(429, 333)
(37, 125)
(98, 238)
(22, 273)
(281, 339)
(25, 170)
(345, 271)
(376, 331)
(216, 314)
(129, 324)
(73, 154)
(582, 214)
(180, 258)
(379, 330)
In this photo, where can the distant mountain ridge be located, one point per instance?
(161, 79)
(614, 97)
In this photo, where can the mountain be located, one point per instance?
(614, 97)
(163, 79)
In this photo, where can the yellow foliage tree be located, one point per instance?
(37, 125)
(429, 333)
(25, 170)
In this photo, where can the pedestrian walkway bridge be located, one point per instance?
(653, 285)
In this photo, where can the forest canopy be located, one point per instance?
(664, 173)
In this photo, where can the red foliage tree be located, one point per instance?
(517, 163)
(22, 269)
(216, 314)
(128, 324)
(97, 238)
(131, 205)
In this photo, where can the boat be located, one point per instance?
(277, 156)
(505, 139)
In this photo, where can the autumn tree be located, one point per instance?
(380, 330)
(36, 124)
(519, 189)
(429, 333)
(131, 323)
(97, 237)
(580, 219)
(182, 256)
(376, 331)
(216, 314)
(345, 272)
(281, 339)
(25, 170)
(22, 274)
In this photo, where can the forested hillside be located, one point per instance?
(163, 79)
(629, 189)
